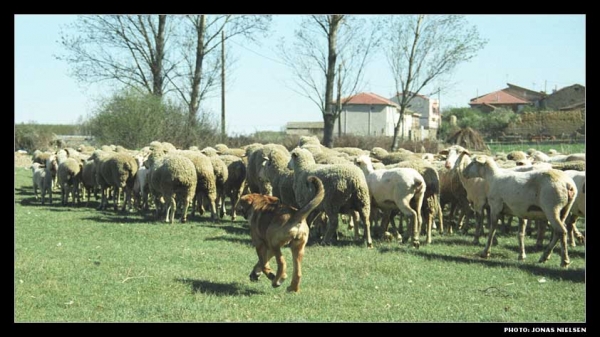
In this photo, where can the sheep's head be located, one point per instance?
(476, 168)
(452, 154)
(378, 152)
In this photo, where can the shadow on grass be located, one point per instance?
(229, 228)
(572, 275)
(219, 289)
(244, 242)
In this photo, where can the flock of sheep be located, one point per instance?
(364, 187)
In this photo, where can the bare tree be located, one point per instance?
(320, 43)
(128, 49)
(200, 42)
(421, 48)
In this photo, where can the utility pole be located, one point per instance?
(223, 135)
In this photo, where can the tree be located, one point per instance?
(198, 71)
(326, 48)
(422, 48)
(127, 49)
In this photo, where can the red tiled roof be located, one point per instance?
(368, 98)
(497, 97)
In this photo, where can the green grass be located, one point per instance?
(77, 264)
(561, 148)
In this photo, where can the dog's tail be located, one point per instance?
(303, 213)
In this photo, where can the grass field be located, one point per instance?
(78, 264)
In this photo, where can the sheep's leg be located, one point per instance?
(171, 207)
(440, 216)
(413, 221)
(429, 224)
(559, 233)
(117, 198)
(185, 205)
(574, 233)
(521, 238)
(493, 217)
(541, 232)
(332, 226)
(364, 217)
(478, 227)
(354, 217)
(281, 269)
(297, 247)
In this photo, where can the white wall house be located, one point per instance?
(368, 114)
(429, 109)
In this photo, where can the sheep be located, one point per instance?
(577, 165)
(352, 151)
(221, 175)
(275, 170)
(516, 155)
(116, 170)
(69, 178)
(394, 157)
(458, 158)
(88, 179)
(206, 183)
(396, 189)
(42, 181)
(346, 191)
(578, 209)
(538, 194)
(431, 205)
(256, 156)
(236, 180)
(172, 176)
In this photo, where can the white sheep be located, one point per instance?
(42, 181)
(395, 189)
(538, 194)
(346, 191)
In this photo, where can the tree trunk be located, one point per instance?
(194, 104)
(157, 66)
(328, 126)
(328, 114)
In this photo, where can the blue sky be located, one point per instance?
(533, 51)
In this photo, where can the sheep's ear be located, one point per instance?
(375, 160)
(465, 151)
(444, 152)
(480, 159)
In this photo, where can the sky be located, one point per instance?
(538, 52)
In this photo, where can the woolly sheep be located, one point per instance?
(578, 209)
(116, 170)
(431, 205)
(346, 191)
(206, 183)
(42, 181)
(88, 179)
(173, 177)
(69, 178)
(275, 170)
(236, 179)
(221, 175)
(256, 155)
(395, 189)
(538, 194)
(388, 158)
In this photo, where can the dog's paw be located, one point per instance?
(290, 289)
(271, 276)
(254, 277)
(277, 284)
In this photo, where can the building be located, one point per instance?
(567, 98)
(429, 109)
(369, 114)
(499, 99)
(304, 128)
(516, 98)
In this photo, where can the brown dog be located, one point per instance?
(274, 225)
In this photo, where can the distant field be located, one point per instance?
(562, 147)
(77, 264)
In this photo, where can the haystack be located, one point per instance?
(468, 138)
